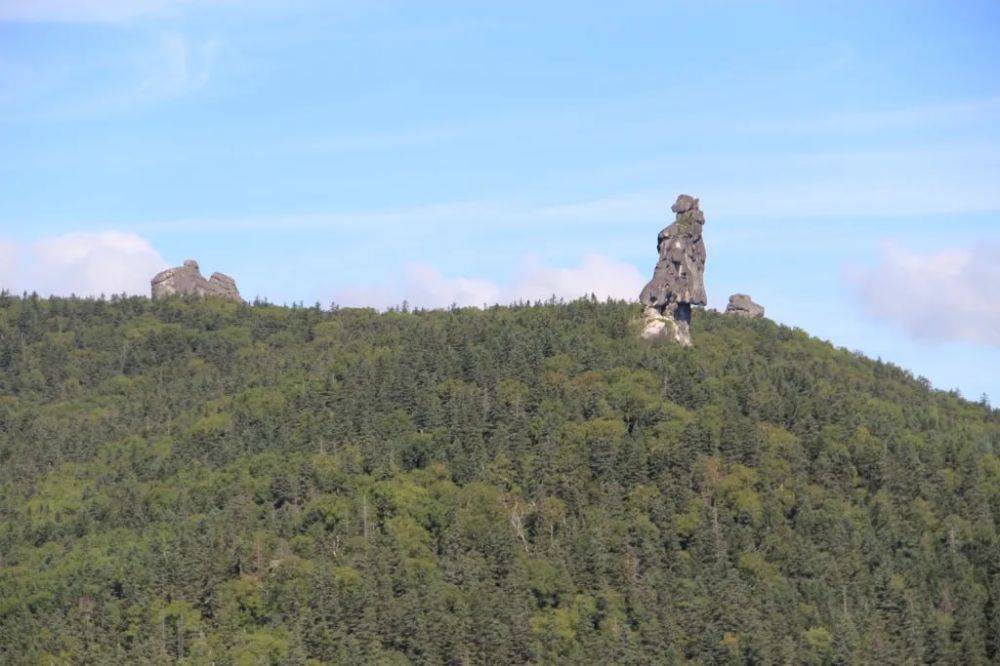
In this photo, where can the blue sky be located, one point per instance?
(847, 155)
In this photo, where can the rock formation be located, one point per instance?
(742, 305)
(187, 279)
(679, 277)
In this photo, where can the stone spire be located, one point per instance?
(679, 277)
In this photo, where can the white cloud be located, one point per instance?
(948, 294)
(9, 263)
(599, 275)
(424, 286)
(84, 264)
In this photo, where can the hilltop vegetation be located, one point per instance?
(211, 482)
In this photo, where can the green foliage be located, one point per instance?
(188, 481)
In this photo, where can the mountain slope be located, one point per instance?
(207, 482)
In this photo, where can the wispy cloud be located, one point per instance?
(170, 67)
(958, 113)
(948, 294)
(863, 185)
(177, 66)
(110, 262)
(425, 286)
(89, 11)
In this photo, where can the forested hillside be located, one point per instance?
(210, 482)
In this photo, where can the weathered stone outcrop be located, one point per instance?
(187, 279)
(679, 277)
(742, 305)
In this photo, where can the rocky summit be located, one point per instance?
(742, 305)
(679, 277)
(187, 279)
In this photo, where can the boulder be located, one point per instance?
(223, 286)
(187, 279)
(679, 276)
(742, 305)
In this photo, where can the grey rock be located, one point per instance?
(220, 284)
(742, 305)
(684, 203)
(187, 279)
(679, 277)
(673, 323)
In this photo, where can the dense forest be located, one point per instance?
(206, 482)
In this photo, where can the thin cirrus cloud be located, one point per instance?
(85, 264)
(171, 67)
(168, 66)
(424, 286)
(88, 11)
(178, 66)
(950, 294)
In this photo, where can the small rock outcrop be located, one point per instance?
(679, 277)
(187, 279)
(742, 305)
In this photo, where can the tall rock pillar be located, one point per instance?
(679, 277)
